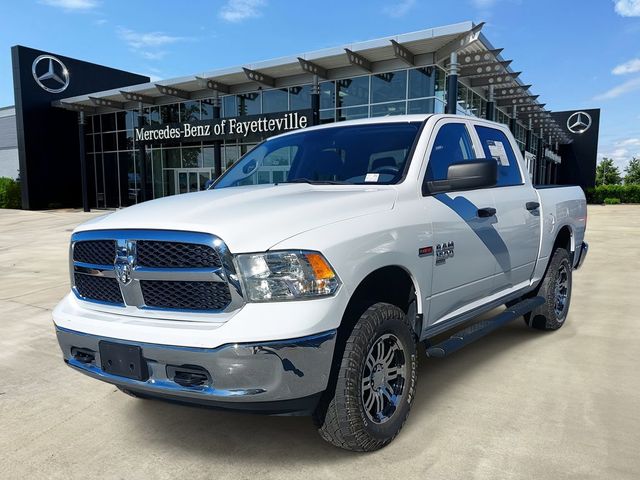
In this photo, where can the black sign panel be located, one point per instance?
(579, 157)
(47, 136)
(245, 128)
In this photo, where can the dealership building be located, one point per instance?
(88, 135)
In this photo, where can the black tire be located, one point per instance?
(347, 423)
(552, 314)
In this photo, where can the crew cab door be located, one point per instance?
(517, 210)
(464, 256)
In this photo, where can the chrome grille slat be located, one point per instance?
(154, 269)
(192, 274)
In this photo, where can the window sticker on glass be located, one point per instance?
(498, 152)
(371, 177)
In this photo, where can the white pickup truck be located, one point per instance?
(310, 292)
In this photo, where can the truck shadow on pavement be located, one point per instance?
(271, 439)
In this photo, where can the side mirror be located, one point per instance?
(480, 173)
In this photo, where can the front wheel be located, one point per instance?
(556, 290)
(376, 382)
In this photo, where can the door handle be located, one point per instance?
(486, 212)
(532, 205)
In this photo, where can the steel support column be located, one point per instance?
(217, 145)
(315, 101)
(513, 120)
(452, 85)
(491, 104)
(142, 155)
(83, 162)
(528, 147)
(540, 160)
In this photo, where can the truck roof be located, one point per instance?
(389, 119)
(363, 121)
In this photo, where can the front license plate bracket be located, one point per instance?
(123, 360)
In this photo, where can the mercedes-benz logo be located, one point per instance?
(50, 73)
(579, 122)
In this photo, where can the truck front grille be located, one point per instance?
(176, 255)
(185, 295)
(153, 269)
(96, 252)
(102, 289)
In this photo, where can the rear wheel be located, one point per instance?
(556, 290)
(375, 384)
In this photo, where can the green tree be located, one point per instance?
(607, 173)
(632, 172)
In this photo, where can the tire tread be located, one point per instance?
(341, 426)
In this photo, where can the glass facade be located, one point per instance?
(186, 167)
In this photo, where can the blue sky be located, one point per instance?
(575, 53)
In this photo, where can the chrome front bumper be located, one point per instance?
(270, 376)
(581, 254)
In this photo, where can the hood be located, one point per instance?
(251, 218)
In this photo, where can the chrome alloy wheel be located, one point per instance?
(561, 291)
(384, 378)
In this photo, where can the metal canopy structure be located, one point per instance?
(480, 66)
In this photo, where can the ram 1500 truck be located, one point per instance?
(305, 278)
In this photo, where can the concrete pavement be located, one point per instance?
(517, 404)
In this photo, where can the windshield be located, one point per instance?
(353, 154)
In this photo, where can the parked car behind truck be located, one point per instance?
(311, 295)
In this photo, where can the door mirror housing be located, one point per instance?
(480, 173)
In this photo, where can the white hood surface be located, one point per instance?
(251, 218)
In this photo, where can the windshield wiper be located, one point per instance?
(316, 182)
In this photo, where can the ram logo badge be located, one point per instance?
(443, 251)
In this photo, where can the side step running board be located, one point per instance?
(480, 329)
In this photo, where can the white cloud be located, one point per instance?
(400, 9)
(621, 151)
(627, 8)
(483, 4)
(148, 44)
(152, 55)
(631, 66)
(145, 40)
(619, 90)
(72, 5)
(238, 10)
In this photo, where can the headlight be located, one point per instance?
(286, 275)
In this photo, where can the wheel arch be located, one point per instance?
(392, 284)
(565, 239)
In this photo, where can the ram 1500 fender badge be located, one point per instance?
(443, 251)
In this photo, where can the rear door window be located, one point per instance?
(496, 145)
